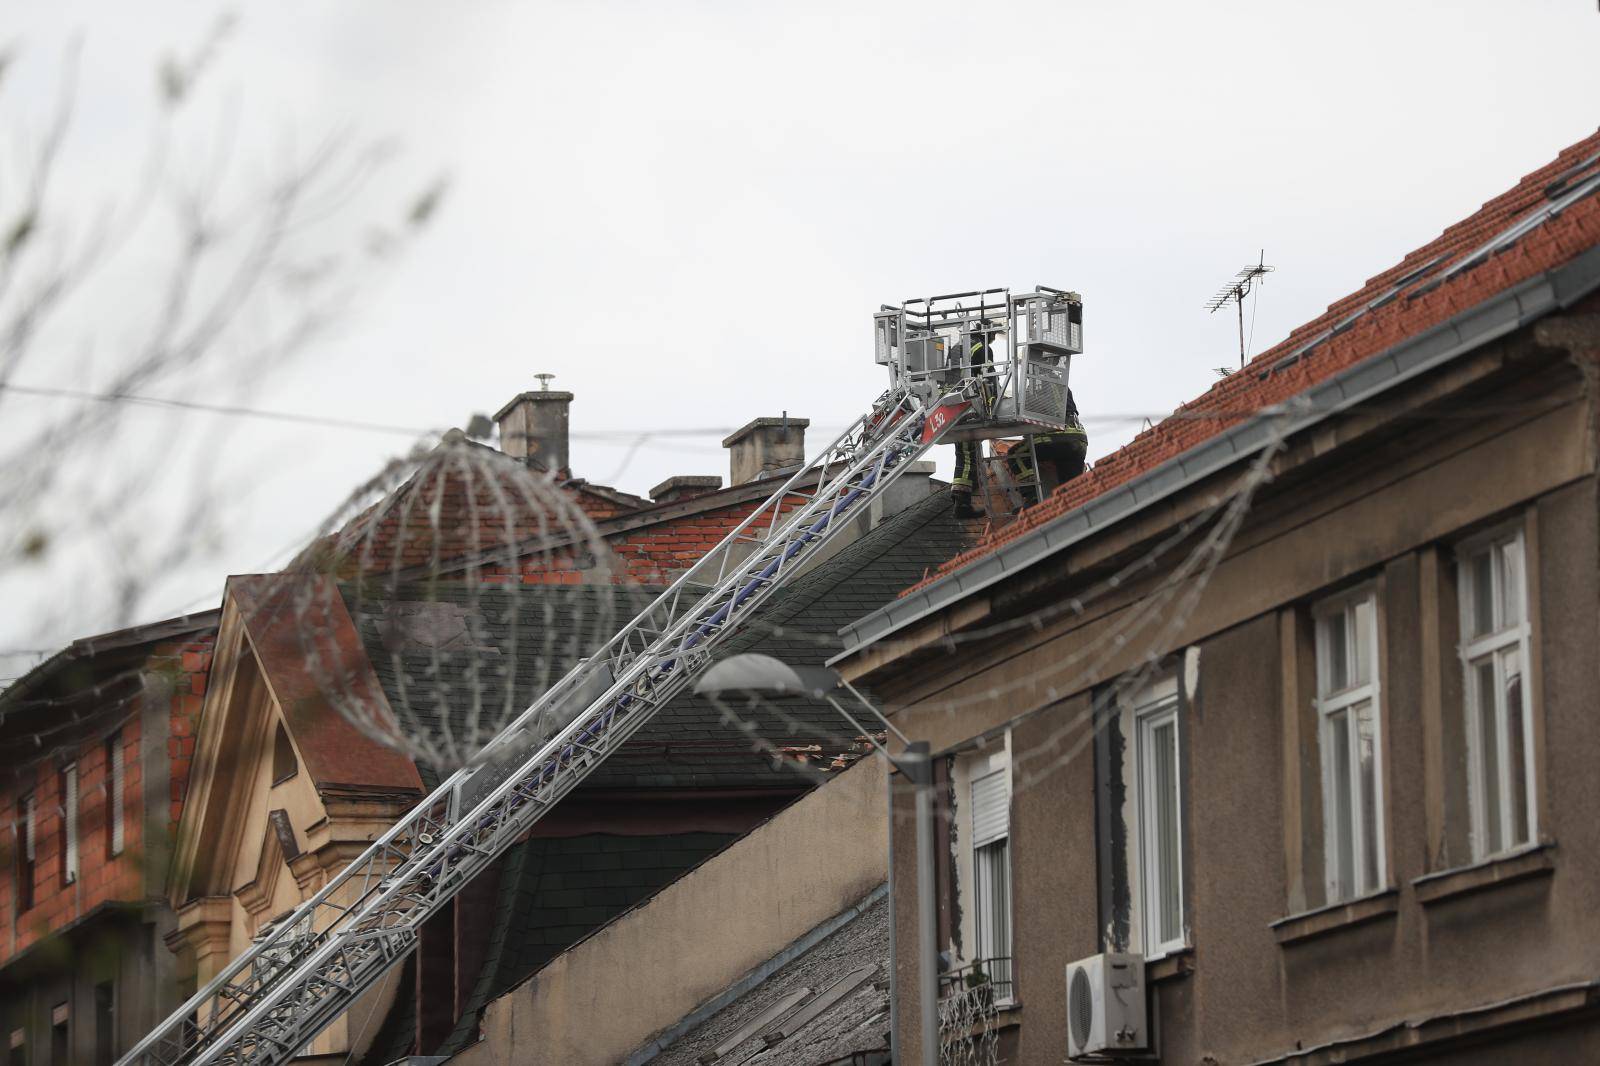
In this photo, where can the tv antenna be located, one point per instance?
(1236, 290)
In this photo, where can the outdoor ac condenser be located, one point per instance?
(1105, 1006)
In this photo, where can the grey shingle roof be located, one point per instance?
(856, 1022)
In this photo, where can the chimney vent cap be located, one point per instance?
(536, 397)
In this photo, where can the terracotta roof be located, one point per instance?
(1550, 217)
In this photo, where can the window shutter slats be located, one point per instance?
(991, 808)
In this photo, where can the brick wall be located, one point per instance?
(649, 555)
(193, 669)
(129, 875)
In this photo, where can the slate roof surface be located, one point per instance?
(858, 1022)
(445, 657)
(1460, 269)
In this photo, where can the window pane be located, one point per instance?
(1362, 623)
(1169, 920)
(1511, 608)
(1338, 639)
(1482, 580)
(1516, 745)
(1341, 824)
(993, 901)
(1488, 755)
(1366, 722)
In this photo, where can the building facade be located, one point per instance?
(1292, 698)
(97, 742)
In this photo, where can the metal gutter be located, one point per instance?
(1490, 320)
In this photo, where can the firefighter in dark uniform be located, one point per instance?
(968, 452)
(1061, 453)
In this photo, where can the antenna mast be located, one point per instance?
(1236, 290)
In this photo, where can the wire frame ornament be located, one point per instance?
(967, 1033)
(446, 595)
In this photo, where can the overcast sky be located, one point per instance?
(688, 211)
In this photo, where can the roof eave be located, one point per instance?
(1501, 314)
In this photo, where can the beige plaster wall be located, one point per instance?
(1380, 517)
(657, 963)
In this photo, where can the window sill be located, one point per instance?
(1537, 860)
(1170, 967)
(1308, 924)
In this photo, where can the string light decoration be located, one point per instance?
(446, 595)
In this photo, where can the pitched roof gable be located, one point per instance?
(310, 654)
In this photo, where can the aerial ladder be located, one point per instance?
(270, 1003)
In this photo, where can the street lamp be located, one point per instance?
(764, 675)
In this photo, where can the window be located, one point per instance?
(1352, 766)
(27, 851)
(69, 823)
(115, 799)
(1160, 889)
(105, 1028)
(60, 1036)
(284, 764)
(1499, 728)
(991, 871)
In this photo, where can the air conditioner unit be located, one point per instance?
(1105, 1006)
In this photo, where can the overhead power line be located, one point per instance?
(235, 410)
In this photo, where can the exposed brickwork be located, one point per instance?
(1240, 395)
(127, 876)
(193, 662)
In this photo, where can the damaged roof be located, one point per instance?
(1548, 221)
(829, 1003)
(455, 660)
(1549, 217)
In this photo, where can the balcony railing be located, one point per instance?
(984, 984)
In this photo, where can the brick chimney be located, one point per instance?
(684, 486)
(765, 447)
(534, 426)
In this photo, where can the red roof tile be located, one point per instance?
(1423, 305)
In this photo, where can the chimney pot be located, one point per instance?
(764, 447)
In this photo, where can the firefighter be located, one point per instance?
(969, 452)
(1061, 453)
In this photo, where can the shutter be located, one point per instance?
(28, 841)
(991, 808)
(116, 794)
(70, 778)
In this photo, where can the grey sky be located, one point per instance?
(688, 211)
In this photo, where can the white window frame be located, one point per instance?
(1340, 610)
(72, 864)
(1155, 706)
(1473, 650)
(983, 927)
(116, 785)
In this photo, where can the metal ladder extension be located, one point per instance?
(273, 1000)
